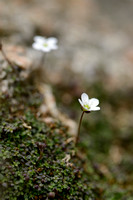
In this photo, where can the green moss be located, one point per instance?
(32, 153)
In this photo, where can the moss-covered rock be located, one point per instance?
(32, 154)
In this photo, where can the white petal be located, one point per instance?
(52, 40)
(80, 102)
(46, 49)
(94, 108)
(37, 46)
(52, 43)
(93, 102)
(39, 39)
(85, 98)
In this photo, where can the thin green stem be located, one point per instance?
(78, 133)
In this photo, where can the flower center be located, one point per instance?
(45, 45)
(87, 106)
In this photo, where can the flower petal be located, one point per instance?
(94, 108)
(80, 102)
(39, 39)
(46, 49)
(93, 102)
(52, 40)
(37, 46)
(52, 43)
(85, 98)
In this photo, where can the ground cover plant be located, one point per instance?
(33, 162)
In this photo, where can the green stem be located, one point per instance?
(77, 138)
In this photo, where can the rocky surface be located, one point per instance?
(95, 55)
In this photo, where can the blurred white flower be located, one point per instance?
(45, 44)
(88, 104)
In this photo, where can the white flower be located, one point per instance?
(89, 104)
(45, 44)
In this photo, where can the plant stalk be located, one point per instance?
(78, 133)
